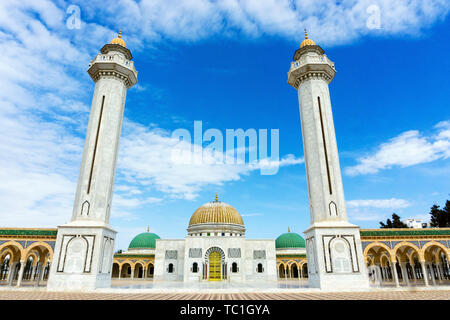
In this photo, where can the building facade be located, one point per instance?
(396, 257)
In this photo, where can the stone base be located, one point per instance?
(83, 258)
(335, 258)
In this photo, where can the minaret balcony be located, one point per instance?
(115, 64)
(311, 64)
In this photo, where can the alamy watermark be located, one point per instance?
(249, 147)
(73, 21)
(374, 20)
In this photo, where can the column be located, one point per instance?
(11, 274)
(40, 275)
(394, 272)
(424, 272)
(33, 273)
(404, 273)
(441, 272)
(144, 273)
(378, 275)
(120, 272)
(430, 267)
(301, 272)
(22, 268)
(132, 273)
(413, 265)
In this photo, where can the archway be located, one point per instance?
(435, 256)
(125, 271)
(281, 271)
(115, 271)
(138, 271)
(150, 270)
(5, 265)
(294, 271)
(304, 270)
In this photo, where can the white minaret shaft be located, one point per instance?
(333, 245)
(84, 247)
(113, 73)
(310, 74)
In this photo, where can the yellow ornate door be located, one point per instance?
(214, 266)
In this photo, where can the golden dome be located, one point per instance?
(307, 42)
(119, 40)
(216, 212)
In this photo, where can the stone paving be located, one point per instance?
(280, 290)
(377, 295)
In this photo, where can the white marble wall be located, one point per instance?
(247, 266)
(325, 260)
(82, 259)
(161, 264)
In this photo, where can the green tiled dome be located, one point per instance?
(290, 240)
(144, 240)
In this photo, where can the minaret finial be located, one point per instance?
(120, 34)
(306, 34)
(148, 228)
(217, 197)
(289, 229)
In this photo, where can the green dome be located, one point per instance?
(144, 240)
(289, 240)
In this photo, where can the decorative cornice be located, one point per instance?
(404, 232)
(291, 255)
(28, 232)
(121, 255)
(312, 75)
(112, 74)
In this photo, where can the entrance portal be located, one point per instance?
(214, 266)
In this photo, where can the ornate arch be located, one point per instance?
(437, 244)
(18, 246)
(4, 253)
(377, 244)
(405, 244)
(212, 249)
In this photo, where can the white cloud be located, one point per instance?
(379, 203)
(329, 22)
(407, 149)
(146, 159)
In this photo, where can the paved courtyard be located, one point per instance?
(381, 295)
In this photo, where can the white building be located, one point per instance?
(415, 223)
(215, 249)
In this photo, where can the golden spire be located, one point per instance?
(148, 228)
(119, 40)
(289, 230)
(307, 41)
(217, 197)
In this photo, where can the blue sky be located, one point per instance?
(225, 64)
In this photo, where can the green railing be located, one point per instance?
(405, 232)
(28, 232)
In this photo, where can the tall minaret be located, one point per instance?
(335, 258)
(84, 247)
